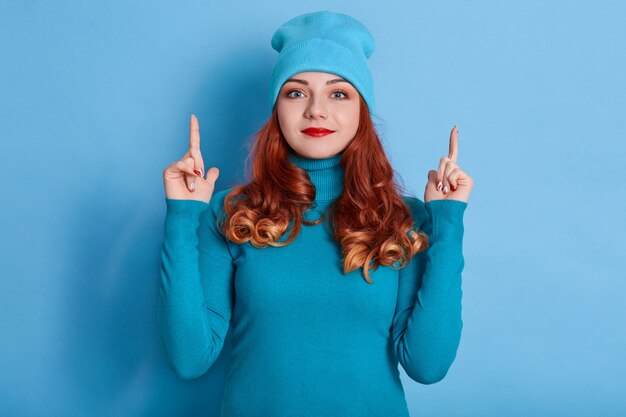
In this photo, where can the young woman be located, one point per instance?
(325, 273)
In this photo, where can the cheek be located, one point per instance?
(287, 111)
(284, 116)
(351, 119)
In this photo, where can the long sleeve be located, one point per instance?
(196, 295)
(427, 324)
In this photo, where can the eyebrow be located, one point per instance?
(336, 80)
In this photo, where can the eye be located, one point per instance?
(345, 95)
(293, 91)
(341, 92)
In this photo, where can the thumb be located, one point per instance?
(212, 174)
(211, 177)
(432, 177)
(209, 182)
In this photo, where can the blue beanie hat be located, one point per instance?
(327, 42)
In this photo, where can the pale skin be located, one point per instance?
(449, 182)
(185, 179)
(319, 99)
(322, 100)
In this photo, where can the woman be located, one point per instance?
(328, 276)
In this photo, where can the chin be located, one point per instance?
(317, 148)
(318, 154)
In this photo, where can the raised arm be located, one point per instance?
(195, 300)
(196, 292)
(427, 324)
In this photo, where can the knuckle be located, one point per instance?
(182, 165)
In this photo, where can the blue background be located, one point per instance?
(95, 99)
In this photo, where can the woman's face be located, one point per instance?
(318, 100)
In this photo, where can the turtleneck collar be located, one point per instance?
(326, 174)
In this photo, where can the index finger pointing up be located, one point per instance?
(194, 133)
(454, 144)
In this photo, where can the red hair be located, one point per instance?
(370, 220)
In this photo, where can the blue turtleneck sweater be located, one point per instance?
(307, 339)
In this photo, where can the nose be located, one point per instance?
(315, 109)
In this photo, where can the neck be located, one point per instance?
(326, 174)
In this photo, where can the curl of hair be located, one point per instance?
(370, 220)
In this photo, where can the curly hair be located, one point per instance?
(370, 220)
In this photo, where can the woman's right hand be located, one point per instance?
(184, 179)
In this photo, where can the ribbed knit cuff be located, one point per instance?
(185, 208)
(446, 219)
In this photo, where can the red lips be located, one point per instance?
(317, 131)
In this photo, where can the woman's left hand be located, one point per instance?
(450, 182)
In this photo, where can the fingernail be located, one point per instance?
(197, 172)
(445, 189)
(193, 187)
(439, 184)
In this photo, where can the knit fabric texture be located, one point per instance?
(307, 339)
(326, 42)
